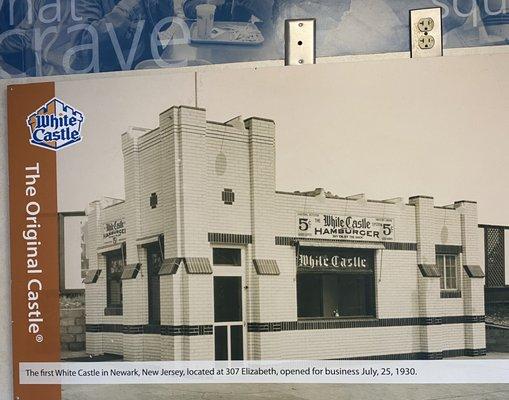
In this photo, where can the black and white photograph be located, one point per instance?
(351, 213)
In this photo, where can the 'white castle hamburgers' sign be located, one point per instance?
(114, 231)
(344, 227)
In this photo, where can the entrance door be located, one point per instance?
(154, 262)
(228, 323)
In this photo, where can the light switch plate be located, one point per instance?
(426, 32)
(300, 45)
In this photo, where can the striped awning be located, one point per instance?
(92, 275)
(474, 271)
(266, 267)
(339, 244)
(170, 266)
(429, 271)
(197, 265)
(193, 265)
(131, 271)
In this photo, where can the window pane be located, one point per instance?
(440, 261)
(222, 256)
(221, 342)
(227, 299)
(114, 268)
(309, 295)
(453, 282)
(237, 345)
(356, 295)
(448, 266)
(335, 295)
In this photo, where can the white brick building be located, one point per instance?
(205, 259)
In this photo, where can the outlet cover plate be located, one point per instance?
(426, 39)
(300, 45)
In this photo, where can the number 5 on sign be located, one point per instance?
(303, 224)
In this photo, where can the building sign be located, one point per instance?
(114, 231)
(334, 259)
(344, 227)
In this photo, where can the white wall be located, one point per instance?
(72, 254)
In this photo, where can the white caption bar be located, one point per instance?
(442, 371)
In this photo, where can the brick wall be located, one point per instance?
(188, 162)
(72, 329)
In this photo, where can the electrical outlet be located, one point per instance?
(426, 32)
(300, 41)
(426, 42)
(426, 24)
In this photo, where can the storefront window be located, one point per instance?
(335, 283)
(448, 265)
(226, 256)
(114, 266)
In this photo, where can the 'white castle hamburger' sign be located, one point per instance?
(114, 231)
(344, 227)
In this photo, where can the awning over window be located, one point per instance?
(193, 265)
(109, 247)
(197, 265)
(429, 271)
(342, 244)
(92, 276)
(266, 267)
(170, 266)
(130, 271)
(148, 239)
(474, 271)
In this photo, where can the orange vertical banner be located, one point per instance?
(34, 241)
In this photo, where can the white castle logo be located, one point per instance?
(55, 125)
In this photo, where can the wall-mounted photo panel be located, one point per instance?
(321, 212)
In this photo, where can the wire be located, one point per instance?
(381, 250)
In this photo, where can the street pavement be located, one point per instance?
(250, 391)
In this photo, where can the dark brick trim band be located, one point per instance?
(424, 355)
(400, 246)
(290, 241)
(284, 241)
(165, 330)
(450, 294)
(448, 249)
(194, 330)
(360, 323)
(230, 238)
(464, 319)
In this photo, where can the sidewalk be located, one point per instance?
(291, 391)
(286, 392)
